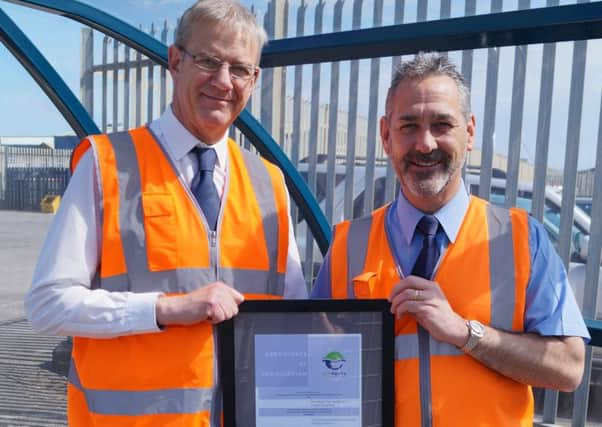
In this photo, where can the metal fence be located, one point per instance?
(326, 115)
(28, 174)
(312, 110)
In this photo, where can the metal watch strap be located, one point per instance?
(473, 336)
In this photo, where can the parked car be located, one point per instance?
(585, 203)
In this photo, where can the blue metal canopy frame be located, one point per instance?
(549, 24)
(46, 76)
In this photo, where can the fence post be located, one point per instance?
(105, 42)
(298, 94)
(516, 118)
(352, 120)
(126, 87)
(115, 125)
(372, 116)
(87, 75)
(138, 95)
(333, 120)
(272, 79)
(150, 83)
(313, 133)
(163, 72)
(493, 59)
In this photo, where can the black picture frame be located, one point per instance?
(370, 318)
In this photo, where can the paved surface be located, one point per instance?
(21, 237)
(32, 387)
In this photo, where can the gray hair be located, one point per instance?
(427, 65)
(225, 12)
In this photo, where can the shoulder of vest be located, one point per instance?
(102, 138)
(513, 211)
(251, 157)
(375, 214)
(370, 217)
(78, 152)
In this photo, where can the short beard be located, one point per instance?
(430, 184)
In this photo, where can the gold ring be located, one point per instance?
(416, 293)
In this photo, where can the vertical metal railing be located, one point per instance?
(516, 118)
(544, 121)
(352, 122)
(333, 120)
(373, 106)
(313, 131)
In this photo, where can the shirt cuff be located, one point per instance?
(141, 312)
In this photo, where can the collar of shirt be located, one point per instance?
(178, 141)
(403, 217)
(450, 216)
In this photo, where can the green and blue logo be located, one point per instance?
(334, 360)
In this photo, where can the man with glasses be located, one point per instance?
(163, 231)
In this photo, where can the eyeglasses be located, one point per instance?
(212, 64)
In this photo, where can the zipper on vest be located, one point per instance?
(213, 252)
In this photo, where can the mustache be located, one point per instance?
(434, 156)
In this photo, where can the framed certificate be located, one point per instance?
(308, 363)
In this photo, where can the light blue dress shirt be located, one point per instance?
(551, 308)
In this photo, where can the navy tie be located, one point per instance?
(427, 259)
(203, 187)
(425, 264)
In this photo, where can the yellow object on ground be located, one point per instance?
(50, 203)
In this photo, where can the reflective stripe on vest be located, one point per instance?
(172, 401)
(186, 280)
(356, 250)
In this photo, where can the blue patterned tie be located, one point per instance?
(425, 264)
(203, 187)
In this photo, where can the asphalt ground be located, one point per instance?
(21, 237)
(32, 383)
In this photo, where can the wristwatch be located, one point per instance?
(476, 331)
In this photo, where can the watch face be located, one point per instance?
(477, 328)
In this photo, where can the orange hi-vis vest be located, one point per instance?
(155, 238)
(484, 275)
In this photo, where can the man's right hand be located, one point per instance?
(215, 303)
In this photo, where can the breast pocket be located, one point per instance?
(160, 230)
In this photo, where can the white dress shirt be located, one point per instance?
(61, 301)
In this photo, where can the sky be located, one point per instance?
(25, 110)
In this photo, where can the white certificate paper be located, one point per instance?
(306, 380)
